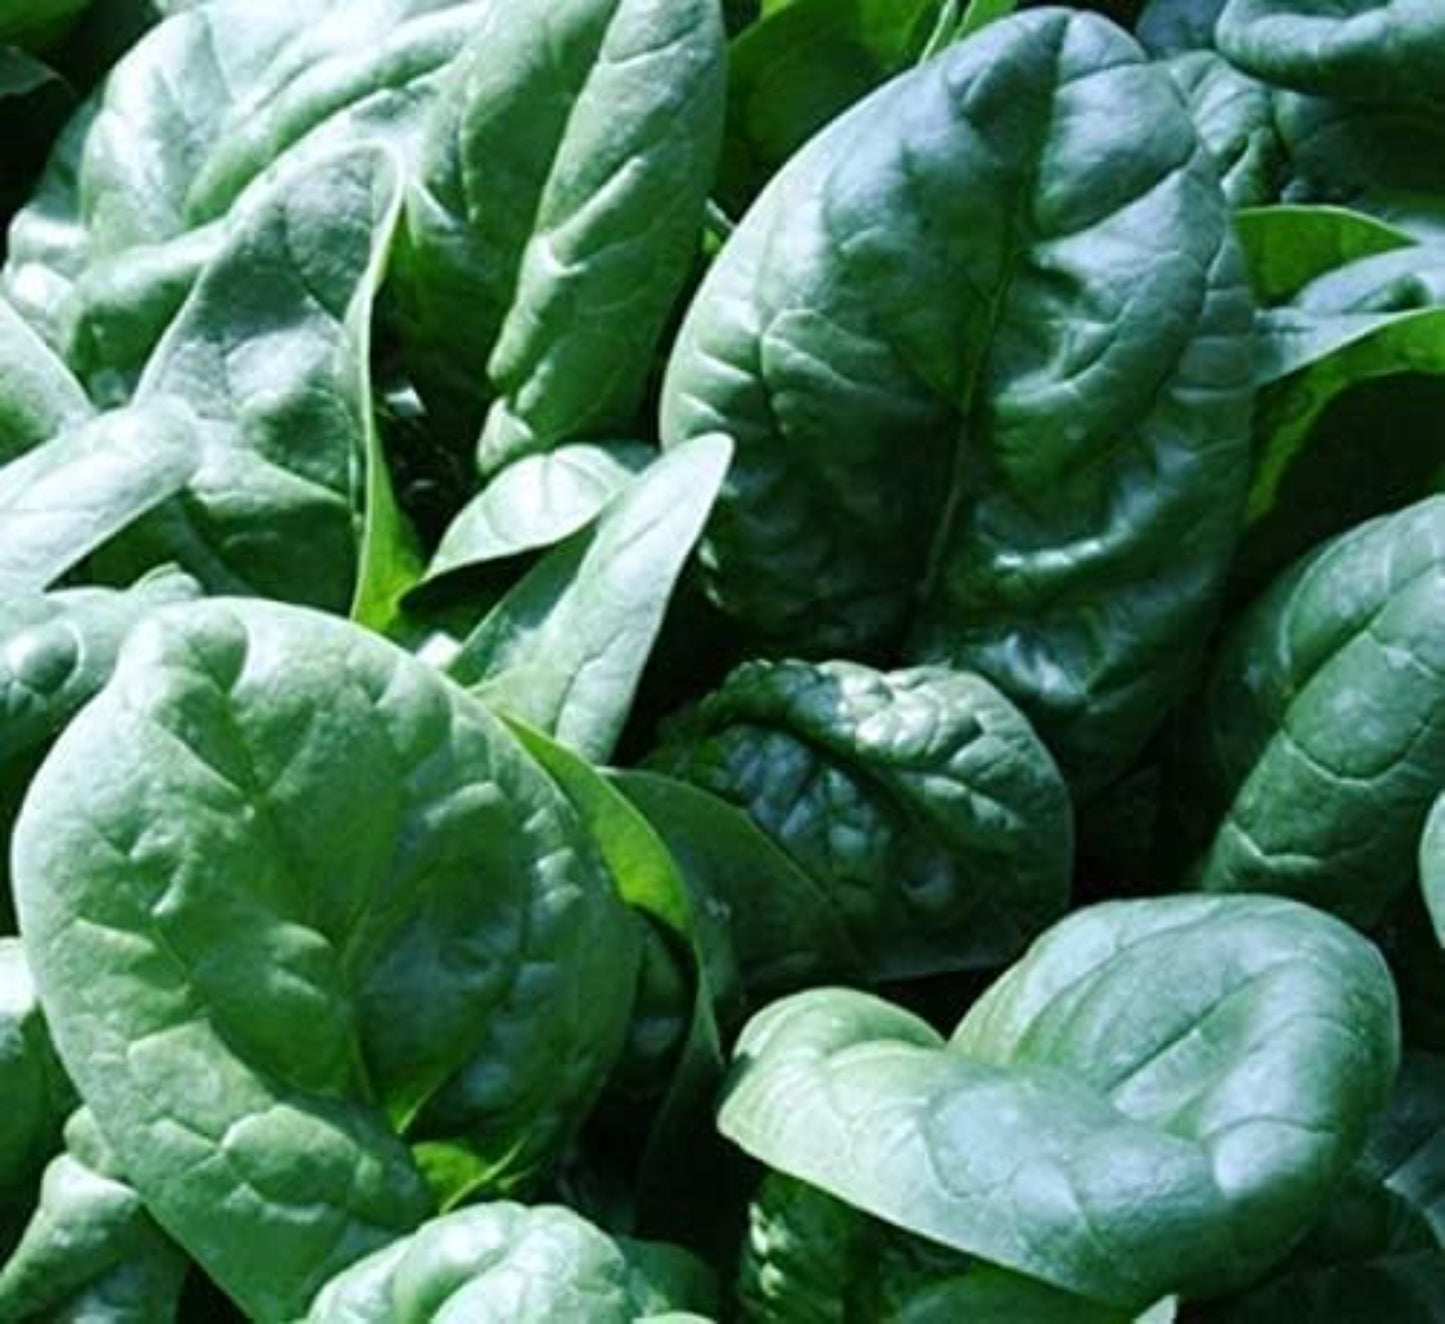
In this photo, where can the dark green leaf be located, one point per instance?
(983, 346)
(1159, 1098)
(920, 802)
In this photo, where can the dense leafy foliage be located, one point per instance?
(682, 660)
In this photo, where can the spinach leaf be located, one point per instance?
(91, 1252)
(326, 906)
(1432, 865)
(1286, 247)
(64, 500)
(556, 215)
(1379, 1240)
(920, 801)
(1359, 121)
(39, 399)
(565, 649)
(538, 501)
(1318, 746)
(1352, 48)
(648, 878)
(58, 649)
(1159, 1098)
(784, 927)
(1172, 27)
(270, 354)
(37, 1094)
(1235, 118)
(1354, 372)
(199, 109)
(984, 350)
(812, 1259)
(800, 67)
(506, 1264)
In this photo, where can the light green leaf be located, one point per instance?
(1286, 247)
(65, 499)
(39, 399)
(556, 215)
(565, 649)
(91, 1253)
(271, 353)
(538, 501)
(330, 906)
(200, 108)
(506, 1264)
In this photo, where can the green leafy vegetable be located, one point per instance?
(274, 505)
(975, 428)
(1319, 744)
(91, 1252)
(564, 650)
(537, 502)
(556, 215)
(1212, 1061)
(920, 802)
(513, 1265)
(285, 793)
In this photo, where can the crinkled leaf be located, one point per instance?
(322, 900)
(197, 110)
(920, 802)
(983, 346)
(565, 649)
(58, 649)
(1159, 1098)
(507, 1264)
(1391, 50)
(1172, 27)
(1318, 747)
(1235, 118)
